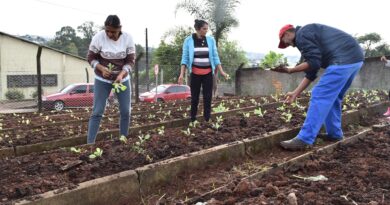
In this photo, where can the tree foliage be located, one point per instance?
(273, 60)
(373, 45)
(169, 52)
(218, 13)
(67, 40)
(231, 56)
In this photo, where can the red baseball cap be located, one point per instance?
(281, 33)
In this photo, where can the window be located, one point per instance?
(91, 88)
(181, 89)
(22, 81)
(80, 89)
(171, 89)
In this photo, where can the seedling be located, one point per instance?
(151, 116)
(281, 108)
(194, 124)
(161, 130)
(110, 66)
(98, 153)
(241, 101)
(216, 125)
(75, 150)
(259, 112)
(118, 87)
(219, 119)
(220, 108)
(185, 115)
(247, 114)
(187, 132)
(138, 146)
(123, 139)
(265, 100)
(286, 116)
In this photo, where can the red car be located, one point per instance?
(166, 92)
(73, 95)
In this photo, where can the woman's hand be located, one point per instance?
(225, 75)
(384, 59)
(180, 79)
(105, 72)
(119, 78)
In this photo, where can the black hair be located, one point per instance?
(199, 24)
(113, 21)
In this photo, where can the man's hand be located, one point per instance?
(281, 69)
(290, 97)
(384, 59)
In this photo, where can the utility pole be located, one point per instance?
(147, 59)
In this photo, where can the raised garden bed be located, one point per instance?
(120, 156)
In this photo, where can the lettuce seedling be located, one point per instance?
(123, 139)
(98, 153)
(75, 150)
(118, 87)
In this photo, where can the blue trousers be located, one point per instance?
(325, 102)
(101, 93)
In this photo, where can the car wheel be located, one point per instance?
(160, 100)
(59, 105)
(189, 98)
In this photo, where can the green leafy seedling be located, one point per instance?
(98, 153)
(123, 139)
(75, 150)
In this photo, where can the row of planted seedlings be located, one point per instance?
(82, 113)
(16, 121)
(98, 152)
(74, 125)
(69, 166)
(37, 140)
(33, 135)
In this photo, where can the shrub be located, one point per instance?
(34, 95)
(14, 94)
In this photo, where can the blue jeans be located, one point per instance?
(101, 93)
(325, 103)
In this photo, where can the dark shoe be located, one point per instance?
(294, 144)
(328, 138)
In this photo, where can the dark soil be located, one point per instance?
(22, 177)
(358, 173)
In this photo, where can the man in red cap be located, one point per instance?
(339, 53)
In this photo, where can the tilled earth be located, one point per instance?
(357, 173)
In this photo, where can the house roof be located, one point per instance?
(44, 46)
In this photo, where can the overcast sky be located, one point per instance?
(260, 21)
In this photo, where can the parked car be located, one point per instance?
(73, 95)
(166, 92)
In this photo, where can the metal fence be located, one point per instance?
(64, 87)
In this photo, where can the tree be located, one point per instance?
(369, 41)
(218, 13)
(169, 52)
(63, 40)
(231, 56)
(88, 29)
